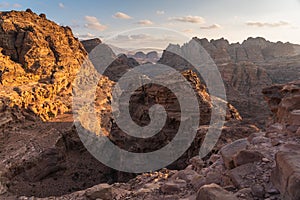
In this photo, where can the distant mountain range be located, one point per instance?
(144, 55)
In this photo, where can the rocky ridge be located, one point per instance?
(141, 57)
(246, 69)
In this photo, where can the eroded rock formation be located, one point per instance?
(39, 60)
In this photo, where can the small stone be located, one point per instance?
(213, 177)
(253, 135)
(214, 158)
(246, 156)
(102, 191)
(197, 163)
(181, 183)
(277, 127)
(3, 188)
(171, 197)
(298, 132)
(186, 175)
(170, 188)
(198, 181)
(276, 142)
(260, 140)
(273, 191)
(258, 190)
(244, 193)
(214, 192)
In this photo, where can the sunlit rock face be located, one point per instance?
(39, 60)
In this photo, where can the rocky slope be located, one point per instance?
(263, 165)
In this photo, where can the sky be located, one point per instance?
(156, 23)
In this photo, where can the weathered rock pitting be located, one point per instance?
(39, 60)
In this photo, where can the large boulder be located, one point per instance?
(230, 151)
(286, 175)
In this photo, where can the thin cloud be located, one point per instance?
(8, 5)
(214, 26)
(16, 5)
(85, 36)
(75, 24)
(267, 24)
(133, 37)
(93, 23)
(61, 5)
(145, 22)
(4, 5)
(120, 15)
(140, 37)
(160, 12)
(188, 31)
(189, 19)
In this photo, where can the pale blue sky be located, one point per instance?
(234, 20)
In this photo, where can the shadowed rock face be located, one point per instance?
(246, 69)
(89, 45)
(280, 60)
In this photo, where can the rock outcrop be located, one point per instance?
(39, 60)
(284, 102)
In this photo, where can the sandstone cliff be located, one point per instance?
(39, 60)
